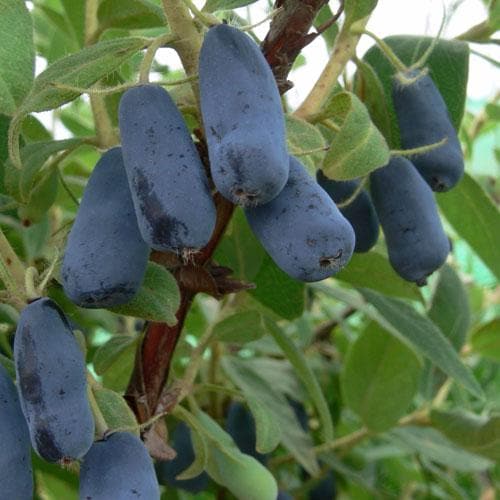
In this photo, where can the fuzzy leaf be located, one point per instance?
(358, 147)
(378, 365)
(158, 297)
(475, 218)
(17, 54)
(81, 69)
(115, 410)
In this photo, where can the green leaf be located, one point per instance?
(133, 14)
(241, 474)
(267, 429)
(380, 378)
(158, 297)
(241, 327)
(475, 218)
(213, 5)
(277, 291)
(494, 15)
(8, 364)
(17, 54)
(34, 131)
(81, 69)
(434, 446)
(486, 340)
(246, 478)
(21, 183)
(200, 445)
(372, 270)
(450, 309)
(306, 375)
(54, 481)
(41, 198)
(199, 463)
(369, 89)
(476, 434)
(239, 249)
(115, 410)
(424, 336)
(303, 137)
(415, 330)
(255, 386)
(107, 354)
(115, 360)
(74, 11)
(448, 65)
(358, 9)
(215, 435)
(358, 147)
(329, 35)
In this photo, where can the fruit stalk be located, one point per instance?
(343, 50)
(182, 27)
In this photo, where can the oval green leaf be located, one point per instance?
(380, 378)
(17, 54)
(477, 434)
(81, 69)
(475, 218)
(158, 297)
(358, 147)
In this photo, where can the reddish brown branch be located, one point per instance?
(155, 354)
(288, 34)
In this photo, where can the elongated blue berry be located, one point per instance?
(359, 212)
(424, 119)
(16, 476)
(242, 117)
(302, 229)
(118, 467)
(416, 242)
(167, 179)
(52, 383)
(106, 257)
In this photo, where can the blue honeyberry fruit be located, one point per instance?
(302, 229)
(51, 377)
(242, 117)
(118, 467)
(105, 257)
(405, 205)
(325, 490)
(240, 425)
(172, 199)
(16, 476)
(424, 119)
(168, 470)
(360, 212)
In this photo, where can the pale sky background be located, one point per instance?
(390, 17)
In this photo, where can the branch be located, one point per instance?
(102, 122)
(154, 357)
(183, 28)
(343, 50)
(288, 35)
